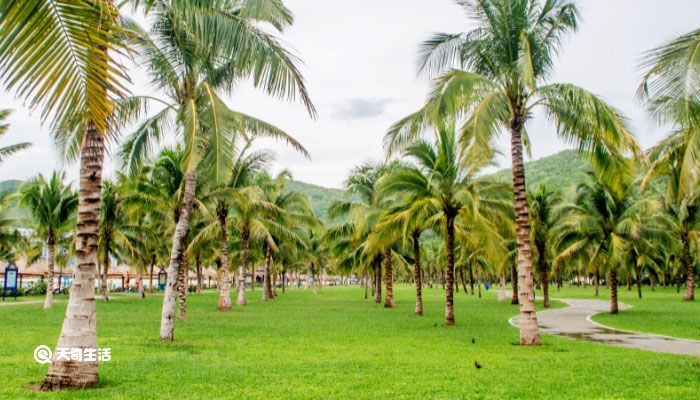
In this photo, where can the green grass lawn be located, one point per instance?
(336, 345)
(660, 311)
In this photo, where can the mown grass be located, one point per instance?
(336, 345)
(660, 311)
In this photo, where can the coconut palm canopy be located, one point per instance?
(215, 202)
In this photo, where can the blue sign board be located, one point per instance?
(11, 275)
(162, 279)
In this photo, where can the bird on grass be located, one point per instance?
(477, 365)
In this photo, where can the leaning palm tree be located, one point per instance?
(502, 67)
(66, 70)
(52, 205)
(197, 52)
(444, 182)
(7, 151)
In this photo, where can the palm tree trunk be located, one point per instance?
(243, 269)
(529, 331)
(417, 273)
(105, 269)
(79, 328)
(690, 282)
(224, 303)
(629, 282)
(450, 270)
(182, 286)
(198, 266)
(471, 277)
(366, 283)
(267, 287)
(388, 276)
(167, 322)
(377, 280)
(545, 288)
(150, 278)
(478, 281)
(502, 288)
(284, 278)
(558, 278)
(514, 283)
(638, 274)
(613, 291)
(48, 302)
(464, 281)
(544, 269)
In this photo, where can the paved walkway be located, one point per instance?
(575, 322)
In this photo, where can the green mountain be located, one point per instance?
(560, 171)
(320, 197)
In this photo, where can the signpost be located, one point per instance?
(10, 284)
(162, 279)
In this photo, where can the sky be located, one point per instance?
(359, 65)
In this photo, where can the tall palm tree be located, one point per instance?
(66, 70)
(503, 65)
(52, 205)
(113, 227)
(443, 181)
(542, 205)
(196, 52)
(7, 151)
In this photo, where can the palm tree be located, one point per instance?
(604, 225)
(504, 63)
(7, 151)
(113, 227)
(671, 91)
(542, 205)
(65, 68)
(197, 52)
(443, 182)
(52, 205)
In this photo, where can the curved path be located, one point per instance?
(575, 322)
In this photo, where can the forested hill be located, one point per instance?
(320, 197)
(560, 171)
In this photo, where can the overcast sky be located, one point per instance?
(359, 63)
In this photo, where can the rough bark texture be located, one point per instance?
(48, 302)
(79, 328)
(378, 280)
(613, 291)
(417, 273)
(389, 278)
(224, 303)
(182, 283)
(450, 270)
(167, 323)
(690, 280)
(245, 238)
(529, 331)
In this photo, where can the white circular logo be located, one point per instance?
(42, 354)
